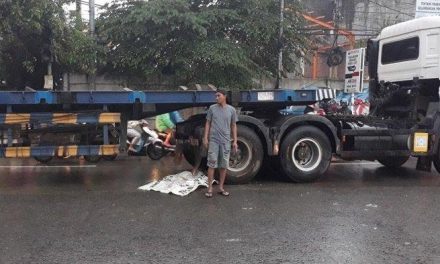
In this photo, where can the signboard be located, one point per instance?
(266, 96)
(427, 8)
(354, 70)
(48, 82)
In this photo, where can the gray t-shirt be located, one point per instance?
(221, 119)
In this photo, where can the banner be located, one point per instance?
(427, 8)
(354, 70)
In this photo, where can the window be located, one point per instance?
(402, 50)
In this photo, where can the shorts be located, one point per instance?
(218, 155)
(163, 129)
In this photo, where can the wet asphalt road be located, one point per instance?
(74, 212)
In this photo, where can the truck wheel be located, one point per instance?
(110, 157)
(193, 154)
(245, 164)
(393, 162)
(43, 159)
(92, 158)
(305, 154)
(436, 161)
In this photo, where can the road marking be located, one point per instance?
(55, 166)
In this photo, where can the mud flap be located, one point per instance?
(424, 164)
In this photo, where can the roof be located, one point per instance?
(410, 26)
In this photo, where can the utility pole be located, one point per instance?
(280, 43)
(92, 18)
(92, 81)
(78, 14)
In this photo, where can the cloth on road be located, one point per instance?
(180, 184)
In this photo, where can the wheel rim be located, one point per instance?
(240, 160)
(306, 154)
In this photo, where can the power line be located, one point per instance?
(390, 8)
(334, 34)
(375, 12)
(328, 29)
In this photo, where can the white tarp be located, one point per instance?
(180, 184)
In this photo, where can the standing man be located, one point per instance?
(220, 122)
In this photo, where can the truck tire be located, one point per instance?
(43, 159)
(246, 163)
(436, 161)
(192, 155)
(393, 162)
(110, 157)
(92, 158)
(305, 154)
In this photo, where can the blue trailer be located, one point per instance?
(46, 124)
(93, 124)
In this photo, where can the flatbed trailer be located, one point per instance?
(44, 124)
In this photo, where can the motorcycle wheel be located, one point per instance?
(155, 151)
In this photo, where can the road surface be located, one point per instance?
(75, 212)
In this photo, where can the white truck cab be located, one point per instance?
(410, 50)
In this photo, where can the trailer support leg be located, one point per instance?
(9, 110)
(105, 129)
(123, 133)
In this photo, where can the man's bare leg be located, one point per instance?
(133, 143)
(222, 173)
(210, 179)
(168, 138)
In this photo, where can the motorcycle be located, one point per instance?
(151, 144)
(331, 107)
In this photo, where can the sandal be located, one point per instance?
(208, 194)
(224, 193)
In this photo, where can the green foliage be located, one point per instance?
(33, 31)
(224, 42)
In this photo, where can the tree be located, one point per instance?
(34, 32)
(224, 42)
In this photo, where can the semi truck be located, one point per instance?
(404, 121)
(404, 79)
